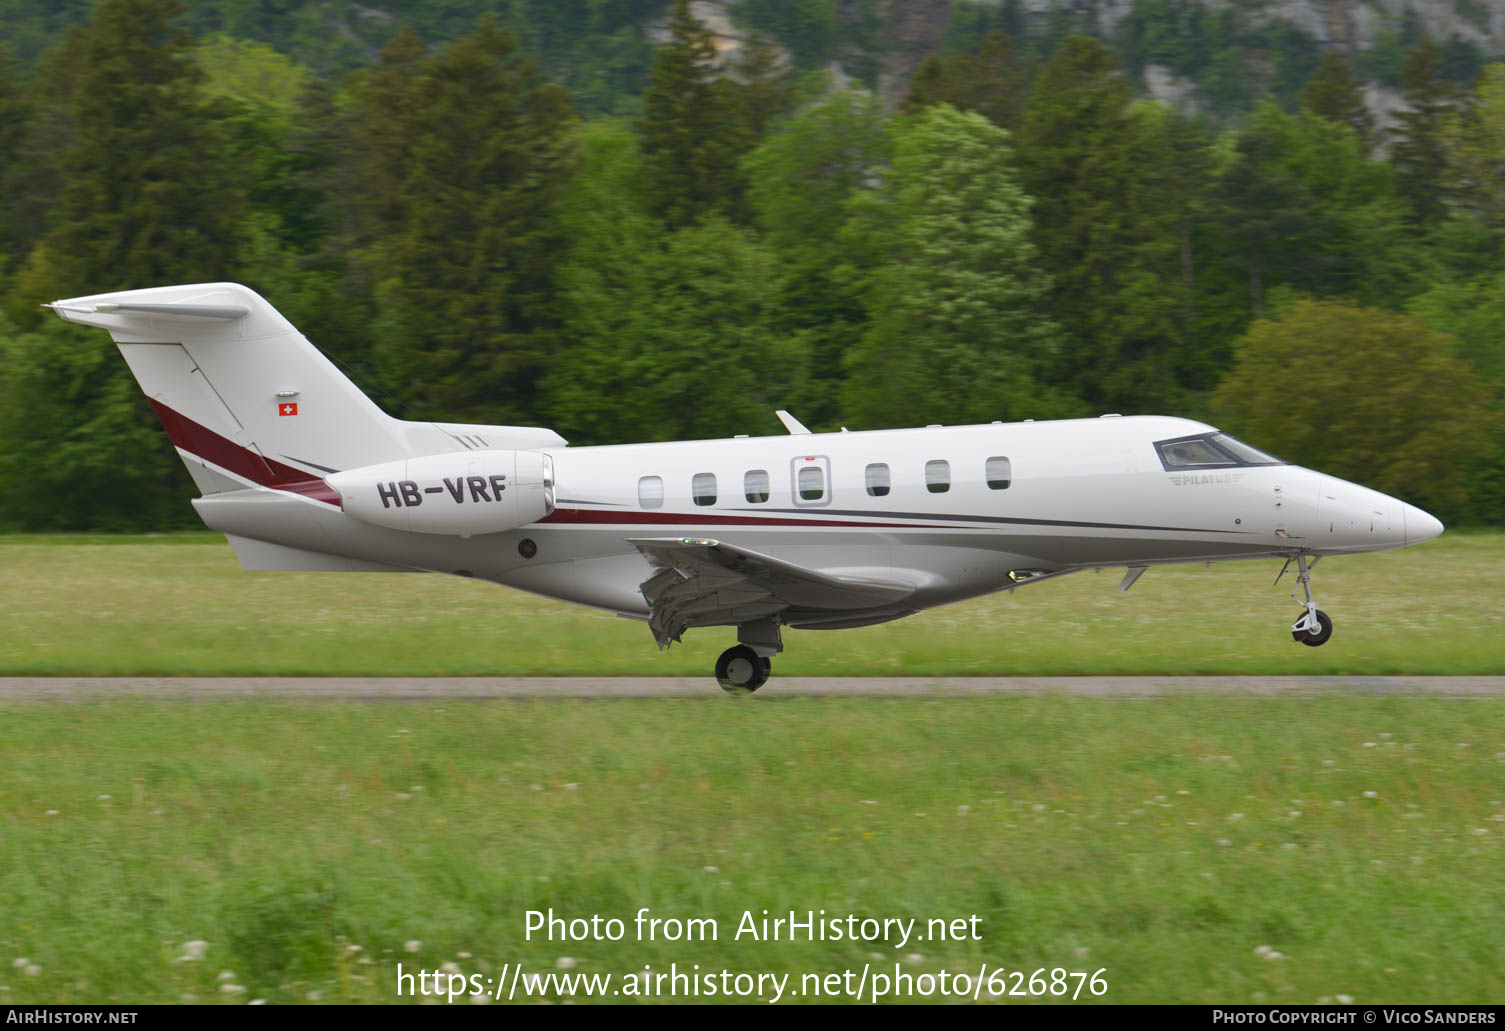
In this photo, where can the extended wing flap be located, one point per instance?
(708, 583)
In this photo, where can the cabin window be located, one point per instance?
(1000, 473)
(651, 492)
(938, 476)
(756, 486)
(812, 483)
(877, 480)
(703, 488)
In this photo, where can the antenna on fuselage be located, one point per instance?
(791, 424)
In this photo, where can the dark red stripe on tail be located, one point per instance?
(242, 461)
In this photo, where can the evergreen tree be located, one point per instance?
(464, 273)
(386, 117)
(147, 198)
(957, 333)
(1418, 151)
(1107, 227)
(994, 82)
(1475, 144)
(690, 133)
(148, 194)
(680, 329)
(1334, 94)
(15, 125)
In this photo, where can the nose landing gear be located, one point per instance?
(1315, 626)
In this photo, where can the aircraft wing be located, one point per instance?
(701, 582)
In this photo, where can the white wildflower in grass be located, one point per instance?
(1326, 1000)
(313, 995)
(869, 801)
(1371, 794)
(257, 1002)
(913, 958)
(365, 959)
(1183, 791)
(1236, 816)
(480, 999)
(194, 951)
(1345, 1000)
(463, 955)
(226, 975)
(1262, 950)
(571, 786)
(1083, 952)
(20, 962)
(1258, 997)
(1481, 831)
(1290, 846)
(1339, 801)
(565, 963)
(51, 812)
(233, 989)
(190, 998)
(352, 948)
(449, 967)
(711, 869)
(1224, 843)
(416, 787)
(1464, 744)
(402, 795)
(1369, 744)
(963, 810)
(413, 945)
(1294, 813)
(32, 970)
(876, 955)
(104, 798)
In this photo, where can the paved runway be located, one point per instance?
(432, 688)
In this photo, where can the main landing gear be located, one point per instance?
(746, 667)
(740, 670)
(1314, 627)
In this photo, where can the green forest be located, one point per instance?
(539, 212)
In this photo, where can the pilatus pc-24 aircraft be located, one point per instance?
(818, 531)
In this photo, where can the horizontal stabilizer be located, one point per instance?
(224, 313)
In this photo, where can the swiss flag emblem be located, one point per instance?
(288, 408)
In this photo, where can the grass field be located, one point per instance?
(182, 605)
(1194, 848)
(1162, 841)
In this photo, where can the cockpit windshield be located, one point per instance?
(1210, 451)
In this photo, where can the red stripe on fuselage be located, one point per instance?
(576, 516)
(242, 461)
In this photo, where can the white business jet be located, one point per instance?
(817, 531)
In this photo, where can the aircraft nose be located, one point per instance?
(1420, 526)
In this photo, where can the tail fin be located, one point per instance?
(244, 397)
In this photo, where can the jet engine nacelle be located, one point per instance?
(462, 493)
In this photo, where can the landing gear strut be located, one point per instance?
(745, 668)
(1314, 627)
